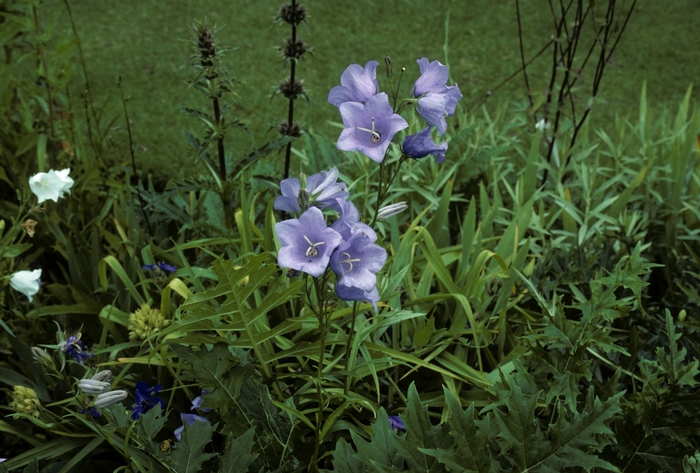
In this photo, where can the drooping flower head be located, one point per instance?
(50, 185)
(146, 399)
(435, 99)
(74, 347)
(26, 282)
(322, 190)
(396, 423)
(358, 84)
(356, 262)
(421, 145)
(369, 128)
(351, 293)
(160, 266)
(307, 243)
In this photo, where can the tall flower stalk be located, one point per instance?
(292, 88)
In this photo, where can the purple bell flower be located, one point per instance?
(351, 293)
(421, 145)
(307, 243)
(435, 99)
(356, 262)
(190, 419)
(160, 265)
(396, 423)
(146, 399)
(348, 223)
(358, 84)
(322, 189)
(369, 128)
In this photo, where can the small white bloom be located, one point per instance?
(391, 210)
(51, 185)
(542, 125)
(112, 397)
(26, 282)
(93, 386)
(104, 375)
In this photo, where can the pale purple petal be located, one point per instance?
(288, 201)
(433, 77)
(358, 84)
(432, 108)
(357, 261)
(349, 293)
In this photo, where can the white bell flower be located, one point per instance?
(26, 282)
(51, 185)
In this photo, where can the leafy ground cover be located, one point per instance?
(527, 304)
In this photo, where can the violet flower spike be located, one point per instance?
(421, 145)
(307, 243)
(356, 262)
(358, 84)
(369, 128)
(435, 99)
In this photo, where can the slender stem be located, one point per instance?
(522, 52)
(348, 348)
(384, 190)
(321, 314)
(225, 195)
(290, 113)
(42, 58)
(133, 158)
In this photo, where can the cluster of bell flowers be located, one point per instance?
(371, 123)
(311, 246)
(50, 185)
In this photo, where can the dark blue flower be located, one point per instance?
(92, 411)
(421, 145)
(358, 84)
(396, 423)
(160, 265)
(146, 399)
(75, 348)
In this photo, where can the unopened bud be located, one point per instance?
(389, 66)
(93, 386)
(391, 210)
(109, 398)
(41, 357)
(682, 315)
(104, 375)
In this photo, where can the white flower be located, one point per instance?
(109, 398)
(51, 185)
(93, 386)
(26, 282)
(391, 210)
(542, 125)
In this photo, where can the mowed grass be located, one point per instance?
(145, 42)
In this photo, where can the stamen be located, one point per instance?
(376, 136)
(348, 261)
(311, 250)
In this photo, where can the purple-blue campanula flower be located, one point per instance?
(146, 399)
(369, 128)
(421, 145)
(356, 262)
(75, 348)
(322, 188)
(348, 222)
(160, 265)
(435, 99)
(351, 293)
(396, 423)
(307, 242)
(358, 84)
(190, 419)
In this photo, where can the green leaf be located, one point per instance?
(189, 455)
(673, 360)
(573, 439)
(381, 451)
(238, 456)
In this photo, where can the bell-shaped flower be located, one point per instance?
(348, 222)
(50, 185)
(322, 190)
(369, 128)
(421, 145)
(356, 262)
(435, 99)
(351, 293)
(26, 282)
(358, 84)
(307, 242)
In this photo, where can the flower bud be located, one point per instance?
(391, 210)
(41, 357)
(25, 401)
(145, 322)
(104, 375)
(93, 386)
(389, 66)
(292, 14)
(109, 398)
(294, 49)
(285, 130)
(291, 91)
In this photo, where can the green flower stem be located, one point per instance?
(322, 326)
(225, 195)
(348, 347)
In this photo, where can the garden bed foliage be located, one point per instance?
(537, 310)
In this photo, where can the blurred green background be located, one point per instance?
(146, 43)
